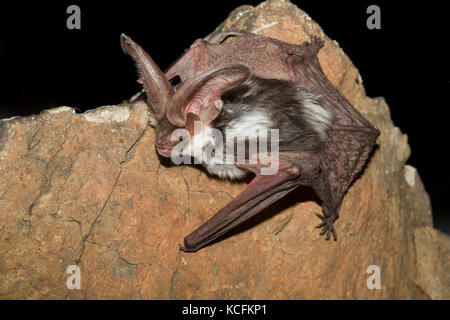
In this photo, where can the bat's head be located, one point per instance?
(197, 99)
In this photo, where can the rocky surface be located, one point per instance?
(89, 190)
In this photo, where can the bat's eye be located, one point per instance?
(175, 82)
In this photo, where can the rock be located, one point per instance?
(89, 190)
(433, 278)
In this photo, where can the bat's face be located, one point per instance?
(173, 141)
(192, 104)
(164, 141)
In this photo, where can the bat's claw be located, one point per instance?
(184, 249)
(327, 226)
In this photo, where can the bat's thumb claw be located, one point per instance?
(184, 249)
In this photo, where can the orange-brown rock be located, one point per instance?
(89, 190)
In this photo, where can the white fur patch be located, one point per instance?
(200, 141)
(252, 124)
(320, 118)
(225, 171)
(222, 166)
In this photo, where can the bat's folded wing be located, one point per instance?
(261, 192)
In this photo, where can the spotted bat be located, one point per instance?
(250, 83)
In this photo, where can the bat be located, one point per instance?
(248, 83)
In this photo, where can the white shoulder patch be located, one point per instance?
(320, 118)
(251, 124)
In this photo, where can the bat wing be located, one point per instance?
(344, 155)
(262, 191)
(350, 139)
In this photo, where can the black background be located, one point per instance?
(173, 309)
(43, 64)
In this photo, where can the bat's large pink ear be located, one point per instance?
(201, 95)
(158, 89)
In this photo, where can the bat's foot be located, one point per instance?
(316, 44)
(327, 226)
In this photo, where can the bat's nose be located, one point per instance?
(165, 146)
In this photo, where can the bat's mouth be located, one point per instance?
(165, 152)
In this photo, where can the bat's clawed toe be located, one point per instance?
(321, 217)
(327, 226)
